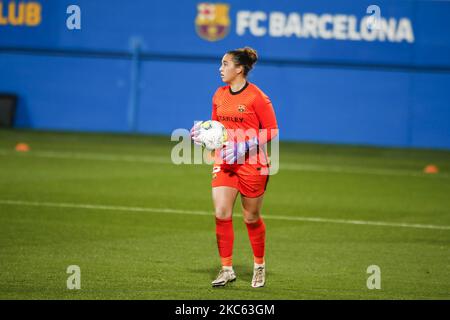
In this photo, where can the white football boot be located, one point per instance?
(224, 276)
(259, 276)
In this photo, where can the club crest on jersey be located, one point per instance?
(212, 22)
(241, 108)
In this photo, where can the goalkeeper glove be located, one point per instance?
(235, 152)
(195, 132)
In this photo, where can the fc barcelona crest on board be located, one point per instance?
(212, 22)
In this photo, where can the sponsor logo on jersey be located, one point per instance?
(233, 119)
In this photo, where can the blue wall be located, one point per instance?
(326, 90)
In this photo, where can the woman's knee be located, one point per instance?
(251, 216)
(223, 212)
(224, 199)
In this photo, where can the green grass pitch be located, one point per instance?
(140, 227)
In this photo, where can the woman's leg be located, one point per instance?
(224, 198)
(251, 209)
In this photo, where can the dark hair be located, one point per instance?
(245, 57)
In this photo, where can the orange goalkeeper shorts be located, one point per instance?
(249, 180)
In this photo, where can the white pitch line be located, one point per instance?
(89, 156)
(206, 213)
(164, 160)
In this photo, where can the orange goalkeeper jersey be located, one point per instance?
(245, 114)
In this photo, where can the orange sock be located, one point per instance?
(257, 236)
(225, 239)
(258, 260)
(227, 262)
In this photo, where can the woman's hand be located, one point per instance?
(195, 132)
(234, 152)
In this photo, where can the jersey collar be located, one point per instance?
(237, 92)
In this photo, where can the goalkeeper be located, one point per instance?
(242, 165)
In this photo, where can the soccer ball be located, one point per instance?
(213, 134)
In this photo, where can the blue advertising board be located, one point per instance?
(337, 71)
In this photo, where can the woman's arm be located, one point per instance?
(266, 116)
